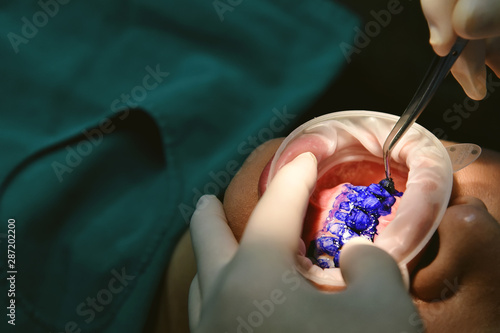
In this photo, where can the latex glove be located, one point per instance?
(477, 20)
(254, 287)
(459, 289)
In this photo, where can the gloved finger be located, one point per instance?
(439, 18)
(470, 70)
(493, 54)
(477, 19)
(213, 242)
(468, 238)
(367, 268)
(194, 303)
(277, 219)
(373, 278)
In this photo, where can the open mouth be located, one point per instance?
(348, 200)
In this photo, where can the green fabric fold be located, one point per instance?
(117, 116)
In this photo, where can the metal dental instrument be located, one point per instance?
(437, 71)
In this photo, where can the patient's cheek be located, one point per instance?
(348, 202)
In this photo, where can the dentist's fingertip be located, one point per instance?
(470, 70)
(308, 168)
(313, 157)
(308, 156)
(438, 16)
(440, 46)
(350, 247)
(436, 40)
(471, 93)
(363, 263)
(475, 88)
(478, 82)
(203, 202)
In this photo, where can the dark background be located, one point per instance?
(386, 73)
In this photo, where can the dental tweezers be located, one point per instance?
(437, 71)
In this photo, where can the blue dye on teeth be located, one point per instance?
(358, 220)
(324, 263)
(356, 215)
(328, 245)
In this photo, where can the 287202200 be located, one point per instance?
(11, 247)
(11, 271)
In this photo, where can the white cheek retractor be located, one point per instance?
(348, 136)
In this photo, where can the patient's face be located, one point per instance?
(480, 179)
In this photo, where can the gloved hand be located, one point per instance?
(477, 20)
(254, 287)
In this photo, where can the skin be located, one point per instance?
(455, 271)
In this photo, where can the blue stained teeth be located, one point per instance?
(354, 213)
(341, 216)
(325, 263)
(344, 205)
(328, 245)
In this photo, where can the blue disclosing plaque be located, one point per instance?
(328, 245)
(324, 263)
(355, 213)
